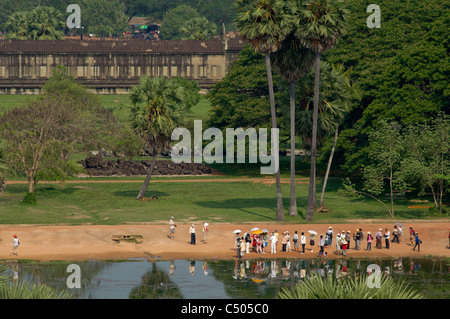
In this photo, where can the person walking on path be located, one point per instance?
(248, 241)
(273, 244)
(329, 236)
(296, 245)
(172, 226)
(386, 236)
(242, 245)
(338, 244)
(400, 233)
(15, 247)
(192, 233)
(417, 241)
(378, 238)
(411, 235)
(303, 242)
(312, 240)
(238, 248)
(369, 241)
(288, 241)
(347, 239)
(205, 232)
(321, 245)
(395, 235)
(360, 238)
(283, 243)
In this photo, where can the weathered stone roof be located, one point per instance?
(112, 46)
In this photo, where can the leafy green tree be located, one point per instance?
(197, 29)
(174, 19)
(156, 110)
(103, 17)
(427, 159)
(264, 25)
(322, 23)
(42, 23)
(41, 136)
(386, 149)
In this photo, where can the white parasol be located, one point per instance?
(312, 232)
(237, 231)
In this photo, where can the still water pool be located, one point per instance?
(221, 279)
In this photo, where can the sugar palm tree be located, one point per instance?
(263, 24)
(323, 21)
(156, 110)
(292, 61)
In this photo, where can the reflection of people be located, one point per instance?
(192, 232)
(172, 228)
(15, 248)
(15, 268)
(172, 268)
(192, 267)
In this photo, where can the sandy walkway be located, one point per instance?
(94, 242)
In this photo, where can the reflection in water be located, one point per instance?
(241, 279)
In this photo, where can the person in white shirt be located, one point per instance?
(273, 245)
(192, 232)
(303, 242)
(172, 228)
(386, 236)
(15, 248)
(295, 240)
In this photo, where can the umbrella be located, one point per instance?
(265, 230)
(312, 232)
(237, 231)
(254, 229)
(257, 232)
(399, 224)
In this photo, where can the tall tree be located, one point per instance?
(41, 136)
(386, 148)
(323, 22)
(263, 24)
(292, 61)
(156, 110)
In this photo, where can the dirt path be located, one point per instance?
(86, 242)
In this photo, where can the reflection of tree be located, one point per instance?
(156, 284)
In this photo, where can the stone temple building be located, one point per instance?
(113, 66)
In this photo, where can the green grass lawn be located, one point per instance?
(219, 201)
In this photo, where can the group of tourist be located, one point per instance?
(259, 242)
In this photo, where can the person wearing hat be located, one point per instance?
(205, 232)
(192, 232)
(329, 236)
(172, 228)
(378, 238)
(15, 248)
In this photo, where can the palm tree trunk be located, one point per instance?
(325, 180)
(293, 203)
(147, 178)
(312, 175)
(280, 212)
